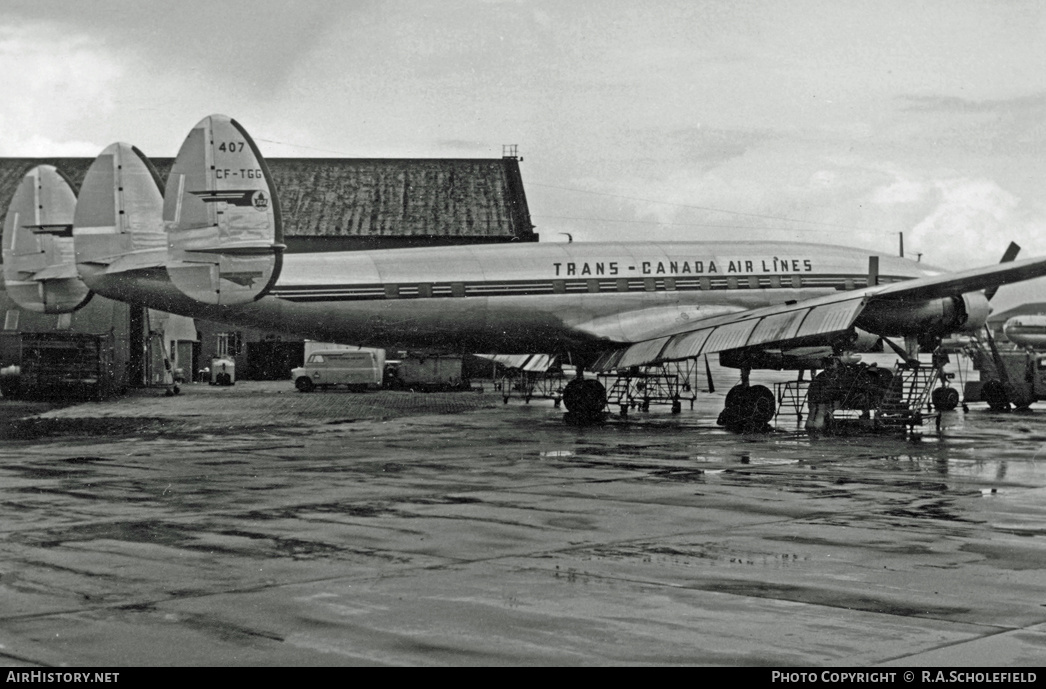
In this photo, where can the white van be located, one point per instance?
(359, 369)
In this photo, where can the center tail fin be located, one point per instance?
(39, 260)
(119, 211)
(222, 217)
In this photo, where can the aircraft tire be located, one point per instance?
(593, 396)
(584, 400)
(748, 409)
(572, 394)
(732, 414)
(304, 384)
(994, 393)
(945, 399)
(762, 405)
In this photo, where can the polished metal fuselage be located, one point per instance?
(519, 298)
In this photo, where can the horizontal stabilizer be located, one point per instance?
(263, 250)
(39, 261)
(62, 271)
(225, 239)
(59, 230)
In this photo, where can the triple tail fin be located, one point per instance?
(222, 218)
(39, 258)
(119, 211)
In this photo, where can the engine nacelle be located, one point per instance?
(965, 313)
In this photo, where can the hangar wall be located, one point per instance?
(344, 204)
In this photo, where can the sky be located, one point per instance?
(839, 121)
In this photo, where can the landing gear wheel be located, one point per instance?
(945, 399)
(762, 405)
(304, 384)
(994, 393)
(584, 400)
(748, 409)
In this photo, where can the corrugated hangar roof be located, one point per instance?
(468, 198)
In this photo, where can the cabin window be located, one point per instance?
(753, 281)
(670, 284)
(425, 289)
(593, 285)
(622, 284)
(559, 286)
(775, 281)
(392, 291)
(731, 282)
(649, 285)
(457, 289)
(706, 283)
(11, 319)
(797, 282)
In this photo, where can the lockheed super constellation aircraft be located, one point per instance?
(1026, 331)
(209, 244)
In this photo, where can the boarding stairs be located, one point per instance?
(903, 405)
(906, 403)
(637, 389)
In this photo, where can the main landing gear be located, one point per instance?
(585, 399)
(748, 409)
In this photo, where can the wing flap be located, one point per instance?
(642, 352)
(814, 319)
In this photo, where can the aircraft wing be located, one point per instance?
(962, 282)
(810, 322)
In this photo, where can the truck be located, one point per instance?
(1007, 376)
(357, 369)
(426, 372)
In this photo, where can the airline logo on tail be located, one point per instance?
(255, 198)
(245, 278)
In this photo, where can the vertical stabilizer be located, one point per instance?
(39, 261)
(224, 234)
(119, 211)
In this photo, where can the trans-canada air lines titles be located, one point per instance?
(765, 265)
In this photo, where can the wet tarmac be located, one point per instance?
(254, 525)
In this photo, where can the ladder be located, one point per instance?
(906, 402)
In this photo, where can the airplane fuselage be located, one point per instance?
(510, 298)
(1027, 331)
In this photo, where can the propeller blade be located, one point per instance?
(708, 374)
(1011, 253)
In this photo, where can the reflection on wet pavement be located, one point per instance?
(458, 530)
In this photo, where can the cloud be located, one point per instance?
(49, 80)
(971, 222)
(953, 104)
